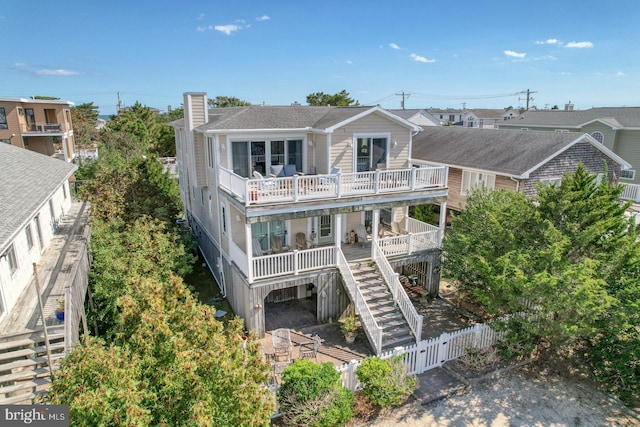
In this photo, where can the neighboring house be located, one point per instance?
(485, 118)
(446, 115)
(34, 195)
(617, 128)
(418, 117)
(43, 126)
(509, 159)
(278, 196)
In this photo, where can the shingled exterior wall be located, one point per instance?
(593, 160)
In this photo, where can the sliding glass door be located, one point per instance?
(371, 152)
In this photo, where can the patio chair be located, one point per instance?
(277, 246)
(362, 234)
(332, 179)
(265, 184)
(256, 249)
(282, 347)
(301, 241)
(309, 350)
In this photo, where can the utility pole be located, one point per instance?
(119, 106)
(404, 95)
(464, 105)
(529, 98)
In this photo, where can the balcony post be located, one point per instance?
(339, 184)
(296, 266)
(338, 236)
(249, 250)
(412, 178)
(295, 188)
(443, 222)
(376, 181)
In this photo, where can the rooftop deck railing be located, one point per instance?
(311, 187)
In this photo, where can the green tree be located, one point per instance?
(340, 99)
(312, 394)
(569, 262)
(87, 110)
(186, 368)
(226, 101)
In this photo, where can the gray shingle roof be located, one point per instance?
(506, 152)
(27, 180)
(616, 116)
(278, 117)
(484, 113)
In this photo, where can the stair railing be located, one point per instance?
(399, 295)
(371, 328)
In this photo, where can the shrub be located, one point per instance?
(386, 381)
(311, 394)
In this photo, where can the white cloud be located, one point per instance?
(394, 46)
(514, 54)
(419, 58)
(548, 41)
(263, 18)
(227, 29)
(566, 73)
(621, 74)
(579, 45)
(58, 72)
(202, 28)
(200, 17)
(349, 62)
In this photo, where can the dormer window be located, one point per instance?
(598, 136)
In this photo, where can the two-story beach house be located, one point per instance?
(291, 202)
(38, 125)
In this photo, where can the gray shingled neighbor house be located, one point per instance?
(510, 159)
(617, 128)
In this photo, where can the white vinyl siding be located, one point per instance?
(472, 180)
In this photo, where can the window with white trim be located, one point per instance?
(210, 153)
(223, 218)
(598, 136)
(562, 130)
(29, 234)
(628, 174)
(551, 182)
(11, 259)
(472, 180)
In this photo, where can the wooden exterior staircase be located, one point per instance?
(378, 297)
(24, 364)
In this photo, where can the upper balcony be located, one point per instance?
(43, 129)
(266, 191)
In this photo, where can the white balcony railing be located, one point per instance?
(371, 327)
(399, 295)
(309, 187)
(631, 192)
(294, 263)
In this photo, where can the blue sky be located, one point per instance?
(443, 54)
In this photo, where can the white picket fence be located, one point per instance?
(429, 354)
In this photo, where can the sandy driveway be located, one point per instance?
(517, 400)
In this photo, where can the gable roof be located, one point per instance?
(27, 181)
(484, 113)
(504, 152)
(258, 117)
(616, 117)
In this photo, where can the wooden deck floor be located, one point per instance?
(59, 256)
